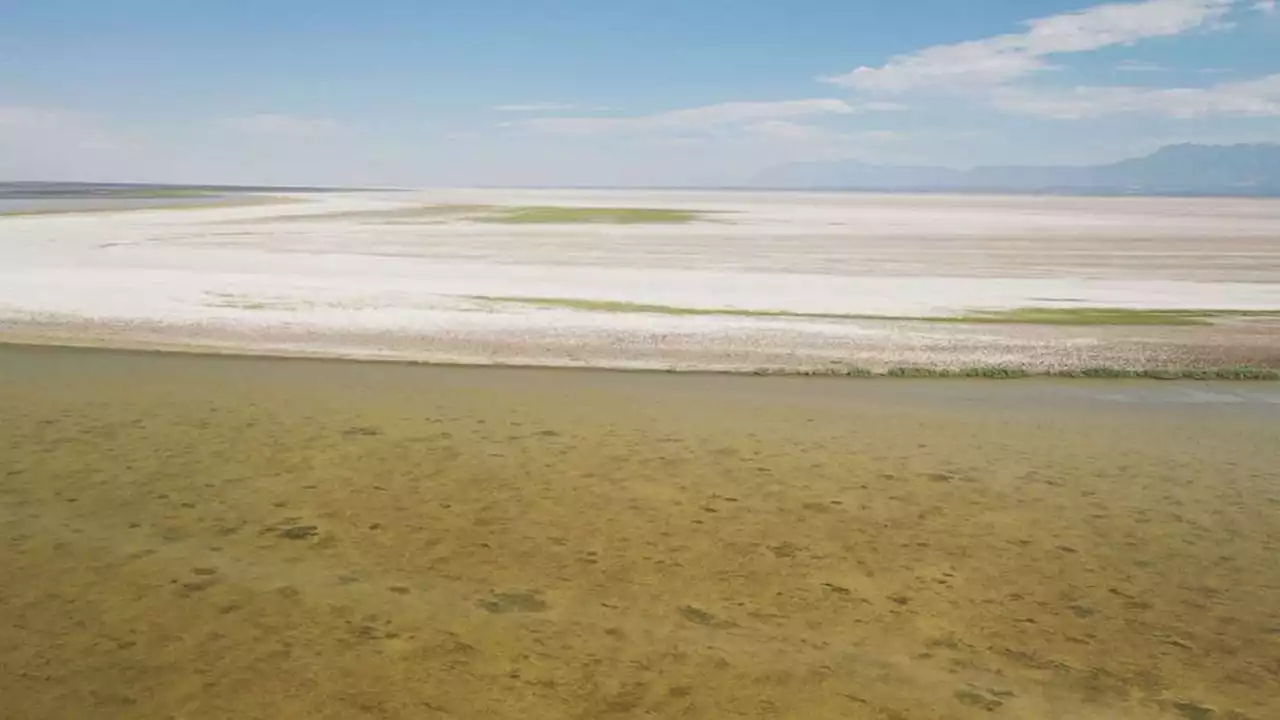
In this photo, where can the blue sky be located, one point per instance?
(625, 92)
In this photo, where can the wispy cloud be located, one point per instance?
(533, 107)
(1002, 59)
(705, 117)
(802, 133)
(1266, 6)
(883, 106)
(283, 125)
(1251, 98)
(789, 131)
(1139, 66)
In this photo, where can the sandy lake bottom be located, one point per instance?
(202, 537)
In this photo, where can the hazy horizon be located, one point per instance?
(1239, 170)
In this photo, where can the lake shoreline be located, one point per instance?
(174, 341)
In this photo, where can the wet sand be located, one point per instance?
(203, 537)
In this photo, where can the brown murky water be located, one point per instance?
(195, 537)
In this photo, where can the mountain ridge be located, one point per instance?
(1241, 170)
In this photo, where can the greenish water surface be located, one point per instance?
(205, 537)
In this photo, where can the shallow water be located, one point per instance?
(204, 537)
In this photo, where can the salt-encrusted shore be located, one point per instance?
(417, 276)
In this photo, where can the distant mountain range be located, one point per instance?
(1237, 170)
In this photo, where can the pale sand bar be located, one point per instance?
(371, 275)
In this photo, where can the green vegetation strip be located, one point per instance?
(1001, 372)
(629, 307)
(1109, 316)
(1017, 316)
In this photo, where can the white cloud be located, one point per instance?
(1139, 66)
(706, 117)
(1266, 6)
(1003, 58)
(533, 107)
(282, 125)
(1250, 98)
